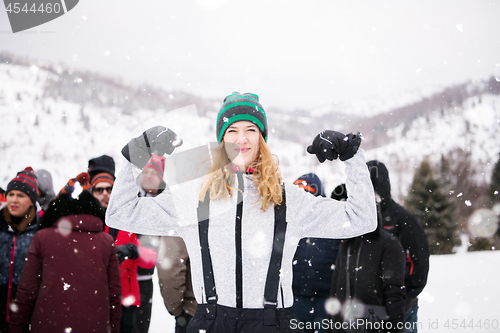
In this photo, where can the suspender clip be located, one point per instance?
(270, 304)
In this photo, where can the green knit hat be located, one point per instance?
(238, 107)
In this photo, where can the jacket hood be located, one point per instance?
(380, 179)
(46, 188)
(66, 206)
(79, 222)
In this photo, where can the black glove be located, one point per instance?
(127, 251)
(328, 145)
(158, 140)
(182, 320)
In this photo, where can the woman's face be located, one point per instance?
(242, 143)
(18, 203)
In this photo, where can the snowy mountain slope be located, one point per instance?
(473, 128)
(45, 124)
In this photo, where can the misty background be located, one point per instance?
(294, 54)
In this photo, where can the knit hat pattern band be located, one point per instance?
(26, 182)
(157, 163)
(238, 107)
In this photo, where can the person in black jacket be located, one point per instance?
(404, 225)
(369, 270)
(312, 267)
(18, 224)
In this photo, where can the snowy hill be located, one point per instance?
(57, 118)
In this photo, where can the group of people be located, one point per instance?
(382, 271)
(62, 269)
(236, 250)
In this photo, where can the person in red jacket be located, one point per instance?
(70, 280)
(131, 255)
(2, 196)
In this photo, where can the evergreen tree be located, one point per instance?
(494, 191)
(494, 194)
(428, 199)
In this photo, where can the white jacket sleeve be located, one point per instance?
(145, 215)
(320, 217)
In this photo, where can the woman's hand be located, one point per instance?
(328, 145)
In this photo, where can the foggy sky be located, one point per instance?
(292, 53)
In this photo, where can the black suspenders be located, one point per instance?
(273, 273)
(206, 259)
(237, 235)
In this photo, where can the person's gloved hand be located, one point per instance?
(183, 319)
(158, 140)
(127, 251)
(83, 178)
(328, 145)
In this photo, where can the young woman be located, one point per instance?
(240, 225)
(18, 224)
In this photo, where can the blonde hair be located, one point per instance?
(266, 176)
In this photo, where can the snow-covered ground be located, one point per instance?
(462, 290)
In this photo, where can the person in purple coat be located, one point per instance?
(70, 280)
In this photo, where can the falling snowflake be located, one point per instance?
(332, 306)
(468, 203)
(13, 307)
(66, 286)
(68, 330)
(128, 301)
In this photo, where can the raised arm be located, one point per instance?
(146, 215)
(327, 218)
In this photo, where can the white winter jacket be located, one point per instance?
(175, 212)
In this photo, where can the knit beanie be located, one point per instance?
(101, 169)
(102, 177)
(25, 181)
(311, 183)
(157, 163)
(238, 107)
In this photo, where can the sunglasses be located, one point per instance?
(102, 189)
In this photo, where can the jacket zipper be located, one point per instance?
(11, 277)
